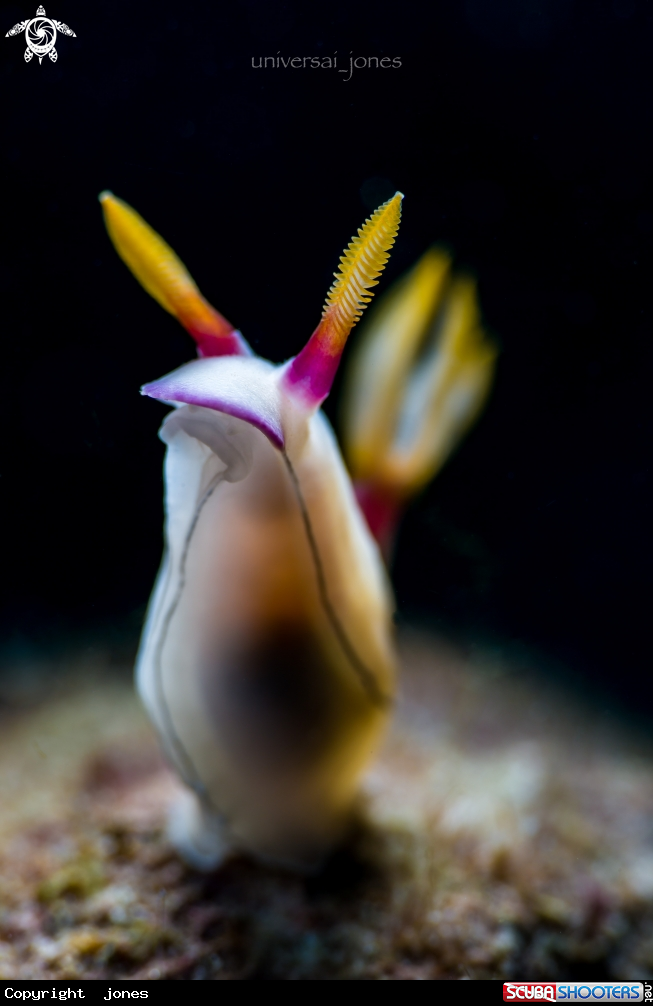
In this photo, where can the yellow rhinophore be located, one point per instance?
(310, 375)
(166, 278)
(361, 264)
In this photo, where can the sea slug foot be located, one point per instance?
(198, 833)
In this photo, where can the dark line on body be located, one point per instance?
(366, 677)
(176, 744)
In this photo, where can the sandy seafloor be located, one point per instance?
(507, 832)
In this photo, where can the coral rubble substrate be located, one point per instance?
(506, 831)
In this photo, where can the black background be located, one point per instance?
(520, 132)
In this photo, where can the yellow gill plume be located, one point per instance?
(418, 380)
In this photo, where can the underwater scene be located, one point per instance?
(326, 495)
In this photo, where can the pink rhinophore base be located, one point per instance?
(310, 374)
(210, 344)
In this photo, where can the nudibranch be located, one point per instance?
(419, 377)
(266, 662)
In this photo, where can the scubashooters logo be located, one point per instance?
(40, 35)
(572, 991)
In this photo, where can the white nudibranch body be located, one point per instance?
(266, 663)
